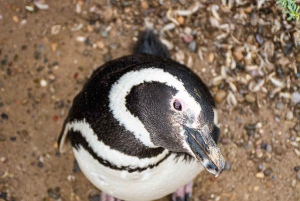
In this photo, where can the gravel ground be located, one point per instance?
(245, 51)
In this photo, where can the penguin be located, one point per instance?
(143, 126)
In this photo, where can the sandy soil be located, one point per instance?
(46, 56)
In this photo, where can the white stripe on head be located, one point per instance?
(106, 153)
(119, 91)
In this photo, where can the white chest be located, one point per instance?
(150, 184)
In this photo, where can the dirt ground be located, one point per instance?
(246, 52)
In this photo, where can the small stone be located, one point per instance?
(288, 48)
(279, 105)
(289, 115)
(40, 164)
(297, 168)
(100, 44)
(260, 167)
(250, 98)
(76, 167)
(43, 83)
(238, 54)
(192, 46)
(54, 193)
(298, 176)
(259, 153)
(260, 175)
(114, 46)
(107, 57)
(55, 29)
(53, 46)
(86, 53)
(180, 20)
(269, 148)
(227, 166)
(104, 34)
(37, 54)
(94, 198)
(259, 39)
(4, 116)
(2, 137)
(293, 184)
(256, 188)
(144, 5)
(267, 172)
(254, 18)
(278, 150)
(211, 57)
(295, 97)
(297, 127)
(13, 138)
(15, 19)
(220, 96)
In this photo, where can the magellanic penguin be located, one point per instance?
(143, 126)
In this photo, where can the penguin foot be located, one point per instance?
(184, 193)
(107, 197)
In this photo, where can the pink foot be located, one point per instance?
(184, 193)
(107, 197)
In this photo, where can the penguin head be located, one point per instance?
(168, 106)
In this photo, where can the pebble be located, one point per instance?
(289, 115)
(269, 148)
(192, 46)
(86, 53)
(298, 176)
(4, 116)
(180, 20)
(55, 29)
(278, 150)
(295, 97)
(211, 57)
(256, 188)
(259, 39)
(250, 128)
(76, 167)
(144, 5)
(254, 19)
(293, 184)
(53, 46)
(54, 193)
(297, 127)
(250, 98)
(2, 138)
(288, 48)
(104, 34)
(260, 175)
(267, 172)
(220, 96)
(238, 54)
(94, 198)
(260, 167)
(279, 105)
(43, 83)
(297, 168)
(107, 57)
(37, 54)
(227, 166)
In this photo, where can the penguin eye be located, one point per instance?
(177, 105)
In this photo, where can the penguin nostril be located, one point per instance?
(177, 105)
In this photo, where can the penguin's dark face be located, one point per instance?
(164, 111)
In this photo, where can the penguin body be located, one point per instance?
(143, 125)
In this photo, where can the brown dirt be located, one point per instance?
(30, 167)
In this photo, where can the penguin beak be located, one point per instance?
(205, 149)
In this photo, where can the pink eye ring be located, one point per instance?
(177, 105)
